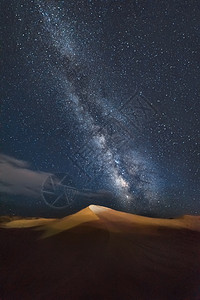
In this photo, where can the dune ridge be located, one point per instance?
(94, 213)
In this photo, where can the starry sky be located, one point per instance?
(105, 92)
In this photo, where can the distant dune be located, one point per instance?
(99, 253)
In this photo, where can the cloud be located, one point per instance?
(17, 178)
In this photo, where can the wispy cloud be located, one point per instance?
(17, 178)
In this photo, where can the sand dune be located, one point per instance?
(100, 253)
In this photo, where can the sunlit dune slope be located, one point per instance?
(119, 218)
(100, 253)
(24, 223)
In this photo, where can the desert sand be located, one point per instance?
(99, 253)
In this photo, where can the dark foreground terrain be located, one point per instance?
(100, 253)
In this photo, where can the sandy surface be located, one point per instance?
(100, 253)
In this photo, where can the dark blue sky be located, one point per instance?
(107, 92)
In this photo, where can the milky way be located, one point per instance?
(101, 124)
(97, 95)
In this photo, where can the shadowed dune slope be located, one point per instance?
(100, 253)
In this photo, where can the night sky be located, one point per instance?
(104, 94)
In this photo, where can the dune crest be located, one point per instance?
(109, 218)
